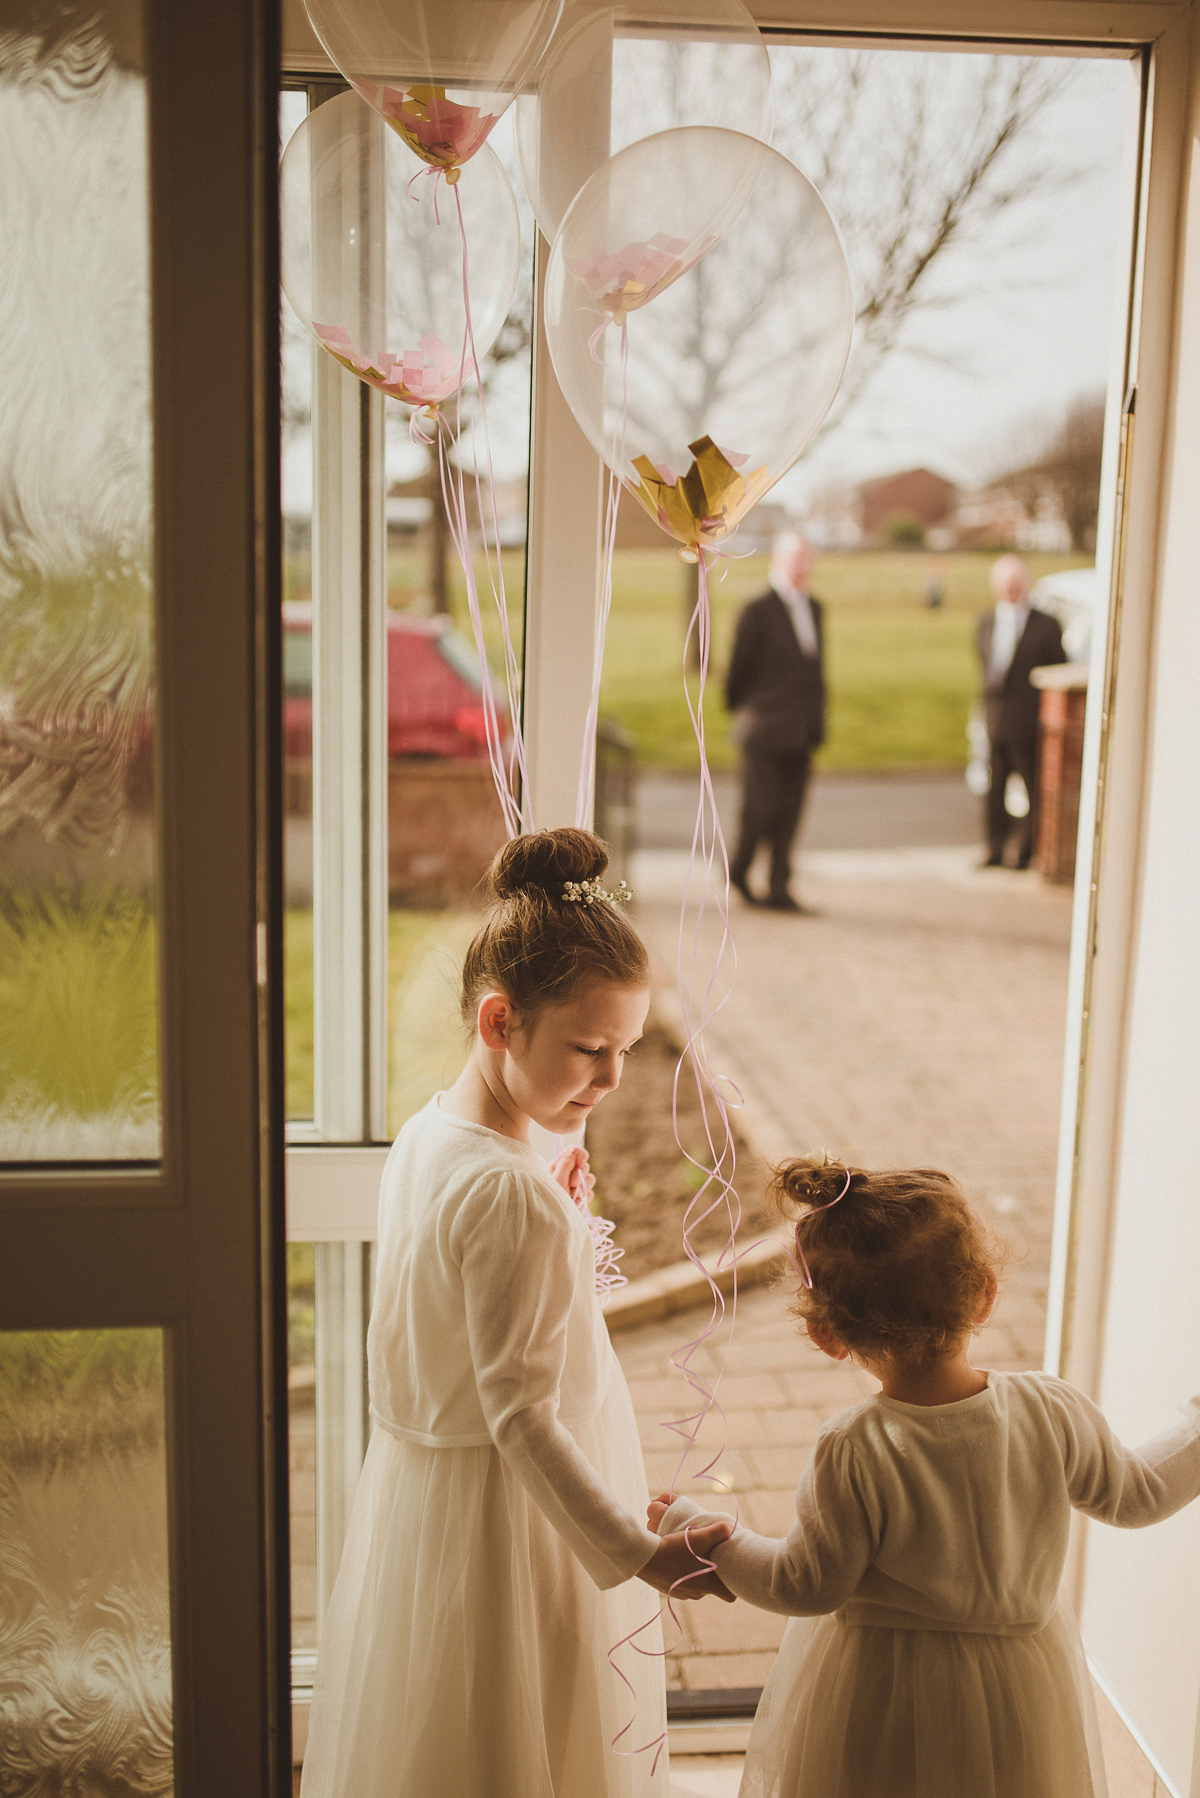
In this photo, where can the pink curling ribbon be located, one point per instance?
(433, 170)
(508, 770)
(701, 998)
(708, 874)
(812, 1212)
(587, 759)
(518, 773)
(704, 986)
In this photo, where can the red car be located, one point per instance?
(435, 704)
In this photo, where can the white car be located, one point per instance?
(1073, 597)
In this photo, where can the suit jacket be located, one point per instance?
(1012, 706)
(779, 689)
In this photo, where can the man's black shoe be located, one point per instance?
(739, 881)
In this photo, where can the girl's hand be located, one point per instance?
(675, 1559)
(570, 1169)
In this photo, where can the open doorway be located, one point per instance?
(917, 1017)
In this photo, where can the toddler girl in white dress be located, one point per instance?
(495, 1537)
(929, 1653)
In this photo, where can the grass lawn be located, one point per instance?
(425, 950)
(901, 678)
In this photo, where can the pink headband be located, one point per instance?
(806, 1277)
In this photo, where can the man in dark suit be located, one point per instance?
(1013, 638)
(776, 685)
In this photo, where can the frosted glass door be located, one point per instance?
(78, 985)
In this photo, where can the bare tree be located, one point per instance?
(917, 155)
(1067, 470)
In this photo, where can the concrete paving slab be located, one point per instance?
(918, 1021)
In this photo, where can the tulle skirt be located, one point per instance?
(858, 1712)
(465, 1650)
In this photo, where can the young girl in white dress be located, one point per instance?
(929, 1653)
(495, 1551)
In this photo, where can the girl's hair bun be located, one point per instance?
(901, 1267)
(807, 1182)
(539, 944)
(545, 860)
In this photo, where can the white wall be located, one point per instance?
(1141, 1591)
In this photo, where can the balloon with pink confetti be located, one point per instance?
(699, 311)
(373, 259)
(440, 74)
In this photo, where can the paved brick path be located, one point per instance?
(918, 1021)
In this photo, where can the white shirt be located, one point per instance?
(1008, 624)
(954, 1516)
(800, 612)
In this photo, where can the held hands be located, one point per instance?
(684, 1554)
(570, 1169)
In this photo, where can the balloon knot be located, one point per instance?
(453, 174)
(691, 554)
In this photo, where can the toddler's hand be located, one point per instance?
(676, 1558)
(657, 1509)
(570, 1169)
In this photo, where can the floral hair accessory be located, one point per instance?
(586, 892)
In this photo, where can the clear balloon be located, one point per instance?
(440, 72)
(373, 253)
(702, 62)
(619, 252)
(703, 396)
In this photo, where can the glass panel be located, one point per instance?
(302, 1445)
(85, 1647)
(297, 485)
(78, 988)
(444, 820)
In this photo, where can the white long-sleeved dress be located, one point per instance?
(929, 1655)
(500, 1515)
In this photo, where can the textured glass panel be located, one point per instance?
(78, 1029)
(85, 1654)
(297, 486)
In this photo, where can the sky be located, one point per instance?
(1033, 330)
(1036, 330)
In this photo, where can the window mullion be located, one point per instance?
(349, 859)
(566, 492)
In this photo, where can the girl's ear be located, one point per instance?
(823, 1338)
(494, 1021)
(988, 1305)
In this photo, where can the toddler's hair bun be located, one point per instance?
(545, 860)
(805, 1183)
